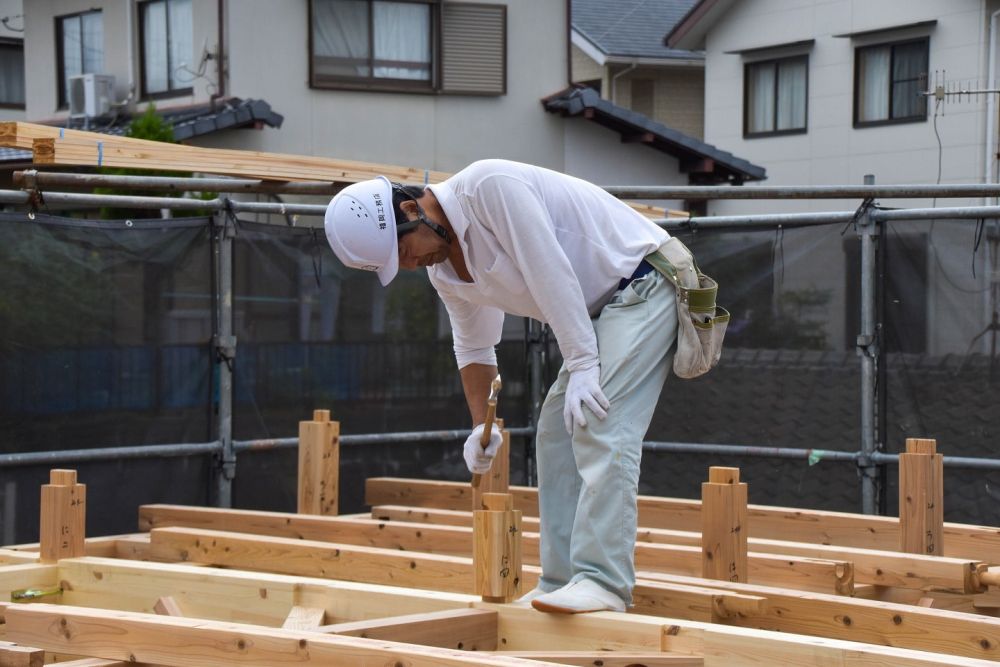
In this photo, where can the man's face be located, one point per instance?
(420, 248)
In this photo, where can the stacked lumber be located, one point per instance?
(395, 585)
(53, 146)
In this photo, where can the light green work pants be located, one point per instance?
(588, 483)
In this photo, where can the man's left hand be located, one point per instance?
(584, 388)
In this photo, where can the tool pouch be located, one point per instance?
(701, 323)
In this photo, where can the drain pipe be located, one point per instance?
(991, 105)
(614, 81)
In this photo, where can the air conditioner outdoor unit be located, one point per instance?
(91, 95)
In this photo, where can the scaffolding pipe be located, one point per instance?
(31, 179)
(956, 212)
(868, 349)
(80, 200)
(816, 455)
(914, 191)
(225, 357)
(59, 457)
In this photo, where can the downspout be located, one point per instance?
(614, 80)
(130, 32)
(991, 104)
(220, 55)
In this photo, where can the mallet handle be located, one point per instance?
(491, 413)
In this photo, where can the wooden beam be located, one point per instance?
(27, 575)
(192, 642)
(311, 558)
(731, 649)
(497, 480)
(697, 166)
(496, 548)
(871, 566)
(723, 533)
(319, 465)
(167, 606)
(637, 137)
(462, 629)
(12, 655)
(116, 583)
(62, 517)
(304, 618)
(980, 543)
(240, 596)
(866, 621)
(392, 567)
(822, 575)
(606, 659)
(921, 498)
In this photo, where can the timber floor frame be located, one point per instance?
(231, 587)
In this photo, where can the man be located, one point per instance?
(502, 237)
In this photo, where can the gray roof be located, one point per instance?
(188, 122)
(631, 28)
(727, 167)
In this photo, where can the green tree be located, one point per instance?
(152, 127)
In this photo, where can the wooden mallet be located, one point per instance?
(491, 413)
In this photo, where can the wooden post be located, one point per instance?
(319, 465)
(497, 480)
(63, 520)
(496, 544)
(921, 498)
(723, 525)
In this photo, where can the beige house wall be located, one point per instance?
(678, 91)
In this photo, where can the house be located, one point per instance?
(823, 93)
(617, 49)
(11, 60)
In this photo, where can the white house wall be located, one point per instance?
(597, 154)
(832, 151)
(11, 8)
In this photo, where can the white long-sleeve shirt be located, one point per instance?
(539, 244)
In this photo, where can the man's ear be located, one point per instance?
(409, 207)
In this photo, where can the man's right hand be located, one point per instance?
(477, 459)
(584, 388)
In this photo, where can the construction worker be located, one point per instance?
(503, 237)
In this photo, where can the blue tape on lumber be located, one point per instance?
(100, 153)
(62, 132)
(427, 176)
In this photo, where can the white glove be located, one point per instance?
(478, 459)
(584, 388)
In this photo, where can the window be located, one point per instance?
(888, 82)
(11, 74)
(80, 44)
(166, 47)
(421, 46)
(374, 42)
(774, 96)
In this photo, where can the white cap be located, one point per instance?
(361, 228)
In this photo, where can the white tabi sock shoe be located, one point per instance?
(525, 600)
(578, 598)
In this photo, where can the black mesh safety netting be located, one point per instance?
(106, 340)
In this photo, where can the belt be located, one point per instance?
(641, 270)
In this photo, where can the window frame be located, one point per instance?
(61, 101)
(144, 94)
(747, 134)
(379, 84)
(15, 42)
(922, 117)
